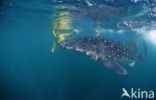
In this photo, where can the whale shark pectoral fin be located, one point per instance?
(114, 66)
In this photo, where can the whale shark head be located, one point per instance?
(68, 44)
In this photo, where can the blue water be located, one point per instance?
(30, 71)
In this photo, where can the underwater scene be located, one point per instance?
(77, 49)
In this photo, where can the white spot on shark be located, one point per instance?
(78, 49)
(132, 64)
(69, 47)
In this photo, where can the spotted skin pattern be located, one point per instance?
(108, 52)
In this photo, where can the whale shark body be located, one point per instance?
(108, 52)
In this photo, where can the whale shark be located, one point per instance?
(108, 52)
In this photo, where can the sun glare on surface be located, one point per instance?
(152, 36)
